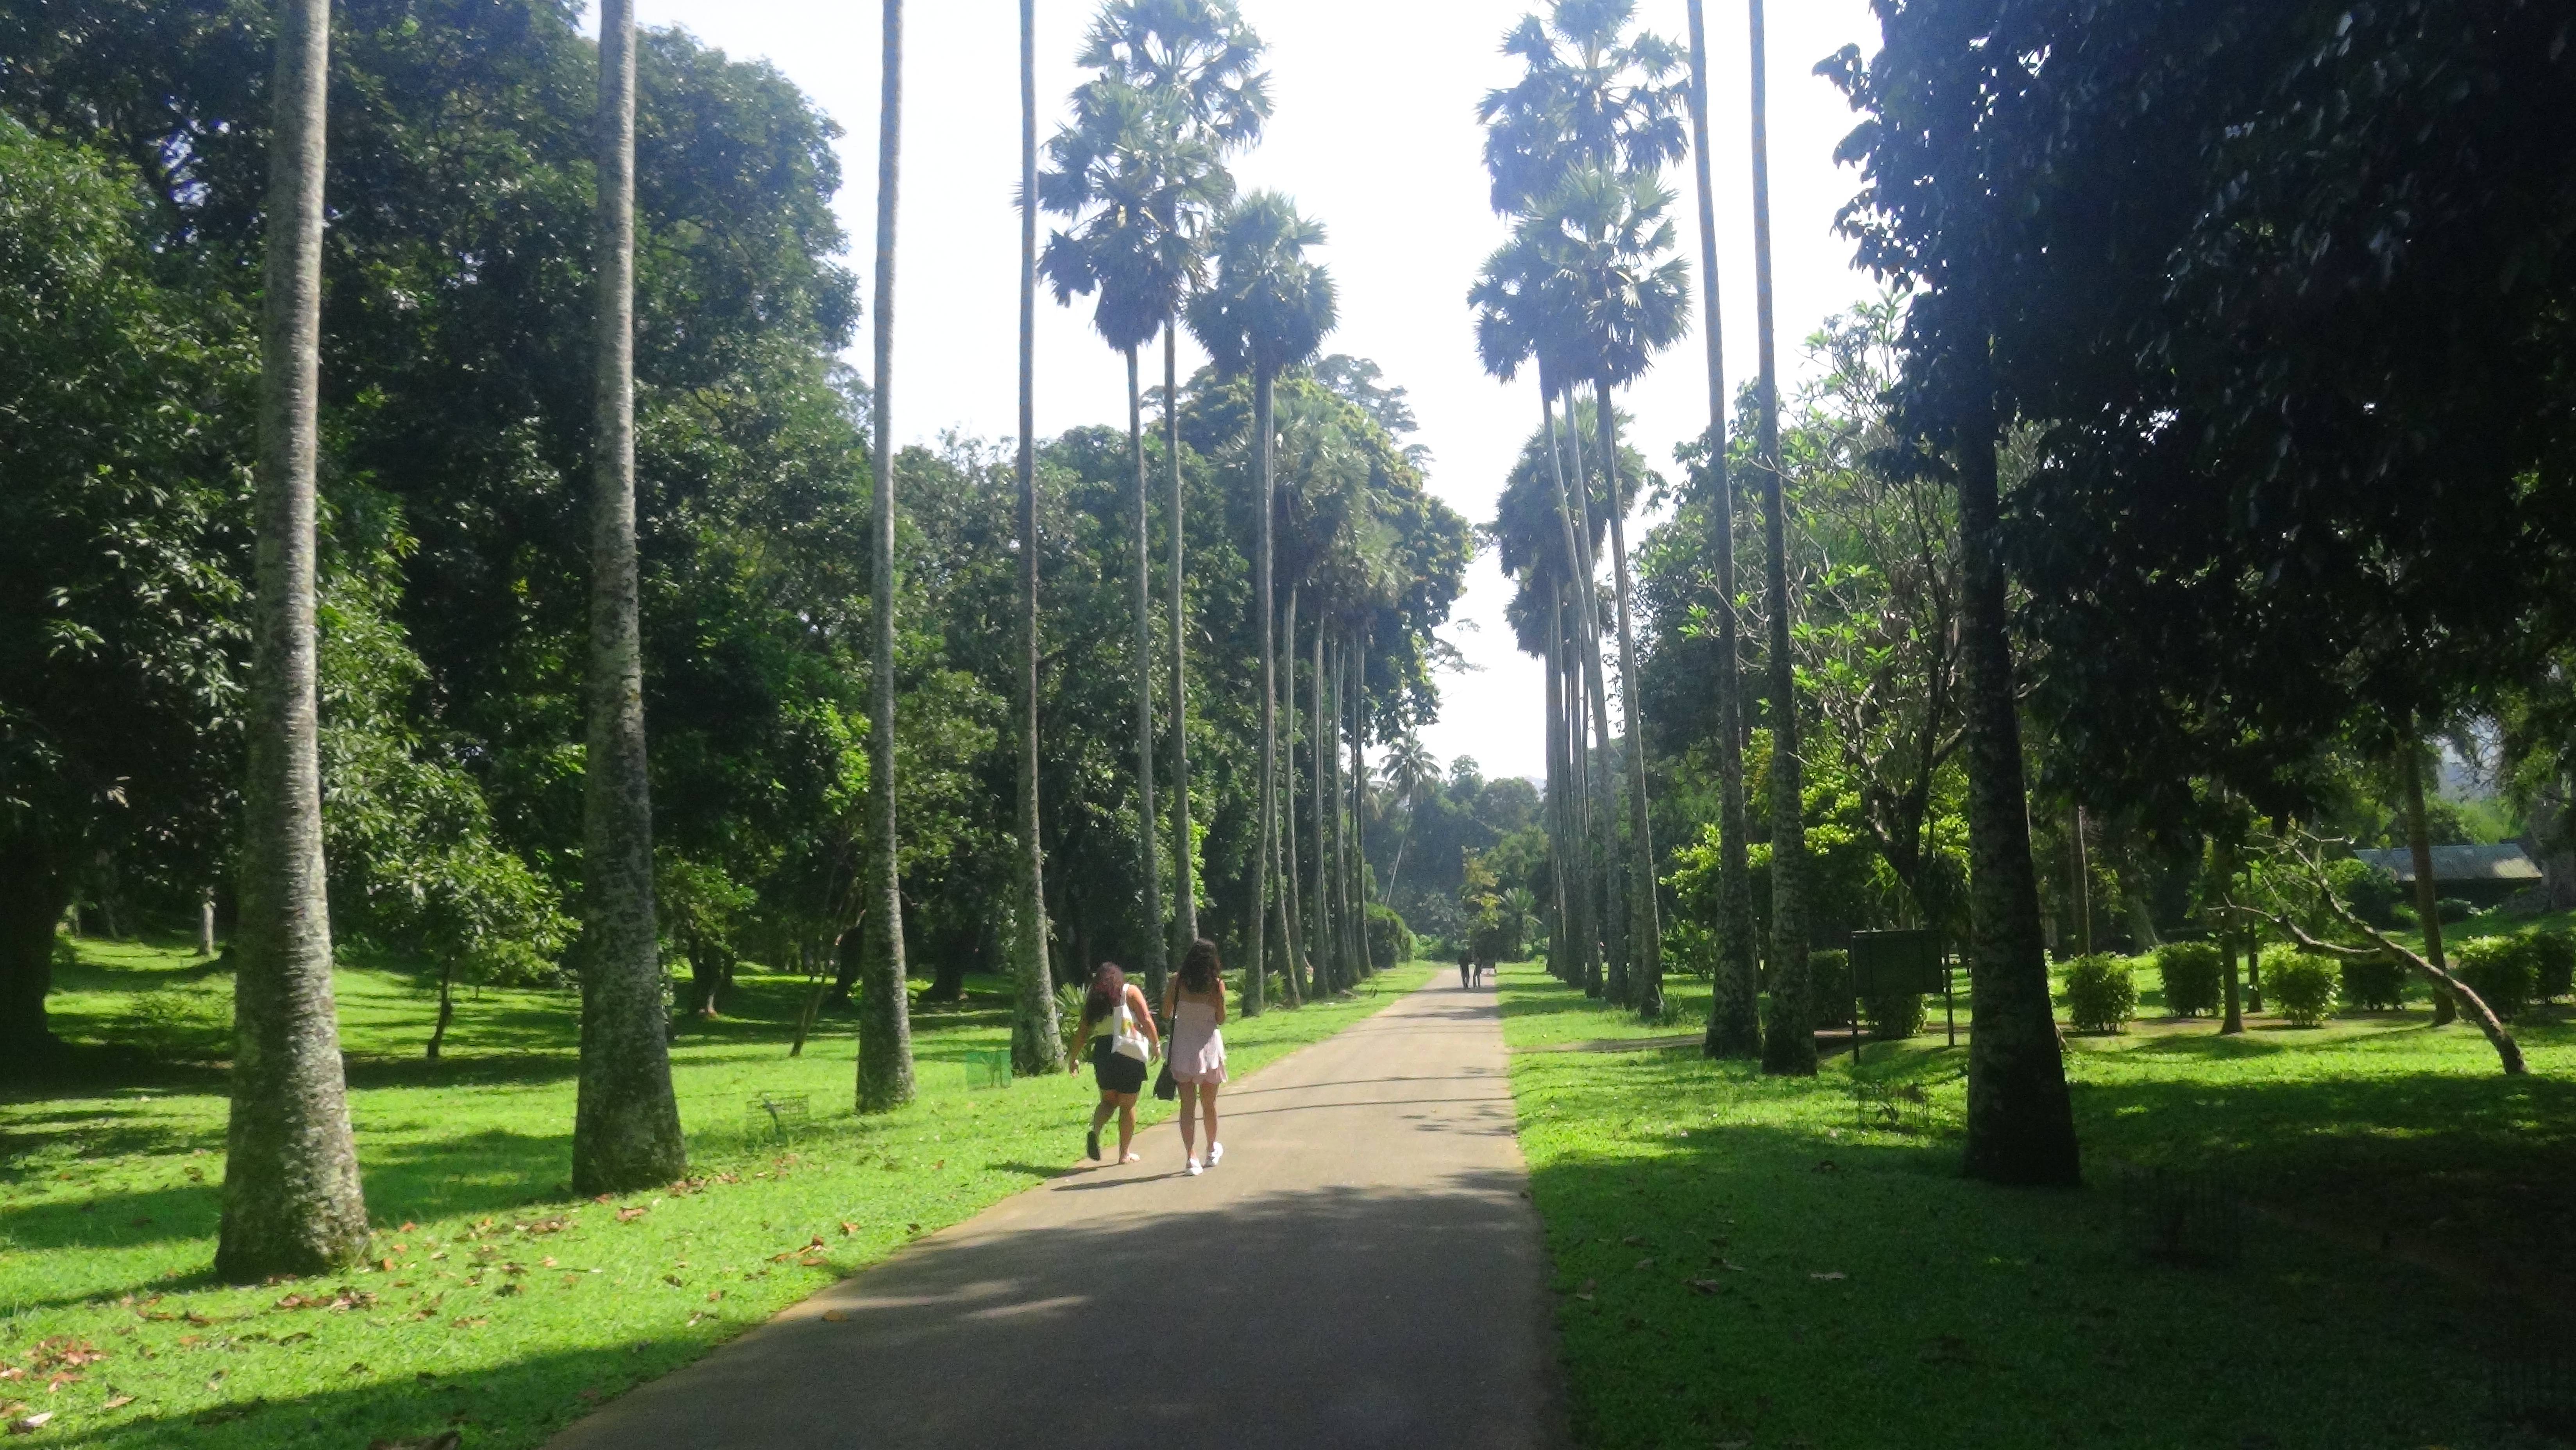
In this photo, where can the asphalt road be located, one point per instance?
(1364, 1269)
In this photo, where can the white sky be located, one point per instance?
(1374, 133)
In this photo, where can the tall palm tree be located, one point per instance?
(1789, 1041)
(291, 1196)
(626, 1124)
(1633, 302)
(1130, 169)
(885, 1018)
(1266, 310)
(1037, 1039)
(1589, 96)
(1409, 771)
(1200, 55)
(1734, 1021)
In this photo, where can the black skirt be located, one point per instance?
(1113, 1070)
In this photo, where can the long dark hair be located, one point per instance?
(1108, 985)
(1199, 967)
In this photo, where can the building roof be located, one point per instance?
(2461, 863)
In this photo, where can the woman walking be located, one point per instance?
(1127, 1041)
(1195, 1001)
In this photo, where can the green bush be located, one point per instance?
(2101, 995)
(2302, 984)
(2373, 892)
(2452, 908)
(1898, 1014)
(2553, 963)
(1390, 941)
(2375, 985)
(2500, 969)
(2192, 973)
(1829, 995)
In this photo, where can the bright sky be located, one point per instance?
(1375, 134)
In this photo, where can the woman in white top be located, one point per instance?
(1127, 1041)
(1195, 1000)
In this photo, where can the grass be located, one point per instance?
(494, 1301)
(1742, 1262)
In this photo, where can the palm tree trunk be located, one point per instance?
(2428, 904)
(1037, 1040)
(1581, 764)
(1587, 646)
(1562, 934)
(1254, 989)
(1789, 1045)
(1184, 888)
(1149, 851)
(291, 1196)
(2021, 1124)
(1327, 981)
(1734, 1019)
(1645, 913)
(1329, 936)
(1605, 816)
(1293, 868)
(885, 1020)
(1360, 810)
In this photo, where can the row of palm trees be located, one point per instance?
(1587, 292)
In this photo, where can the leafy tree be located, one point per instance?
(292, 1202)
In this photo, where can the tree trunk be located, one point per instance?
(1645, 913)
(2021, 1124)
(33, 894)
(1333, 908)
(446, 1007)
(1319, 763)
(1037, 1039)
(1734, 1018)
(2083, 890)
(626, 1123)
(1561, 934)
(1580, 765)
(885, 1018)
(1184, 891)
(1612, 909)
(1573, 532)
(2428, 892)
(1149, 850)
(1360, 948)
(1292, 897)
(1254, 988)
(206, 922)
(291, 1196)
(1789, 1040)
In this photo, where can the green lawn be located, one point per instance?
(1740, 1262)
(496, 1302)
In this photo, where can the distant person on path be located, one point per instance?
(1127, 1041)
(1466, 968)
(1196, 1002)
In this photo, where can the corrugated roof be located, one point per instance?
(2461, 863)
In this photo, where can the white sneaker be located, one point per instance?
(1216, 1151)
(1194, 1167)
(1133, 1158)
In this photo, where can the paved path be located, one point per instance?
(1364, 1270)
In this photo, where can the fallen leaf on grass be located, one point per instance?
(836, 1316)
(471, 1322)
(848, 1229)
(118, 1402)
(1829, 1275)
(1634, 1240)
(629, 1215)
(357, 1367)
(1586, 1291)
(1645, 1263)
(31, 1424)
(1706, 1286)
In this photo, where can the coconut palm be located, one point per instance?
(1789, 1039)
(1037, 1039)
(1266, 309)
(1631, 300)
(291, 1197)
(1201, 57)
(1130, 170)
(626, 1124)
(1734, 1024)
(885, 1020)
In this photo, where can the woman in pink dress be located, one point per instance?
(1194, 1001)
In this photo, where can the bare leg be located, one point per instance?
(1207, 1106)
(1189, 1120)
(1100, 1114)
(1126, 1123)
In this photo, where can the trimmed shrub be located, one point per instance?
(2376, 985)
(2499, 969)
(1899, 1014)
(2302, 984)
(1829, 997)
(2553, 963)
(2101, 995)
(2193, 973)
(1390, 941)
(2452, 908)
